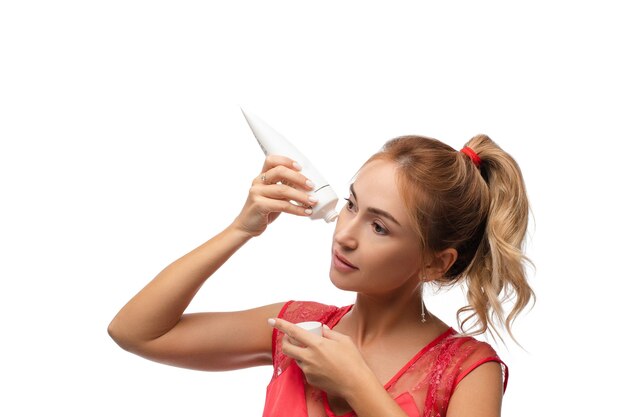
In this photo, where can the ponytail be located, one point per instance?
(497, 274)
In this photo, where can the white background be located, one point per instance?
(123, 147)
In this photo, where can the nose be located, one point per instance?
(345, 232)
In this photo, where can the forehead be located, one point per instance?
(376, 186)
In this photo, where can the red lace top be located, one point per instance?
(422, 388)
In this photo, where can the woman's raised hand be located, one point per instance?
(272, 192)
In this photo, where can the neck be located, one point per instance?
(376, 317)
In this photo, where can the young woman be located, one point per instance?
(418, 212)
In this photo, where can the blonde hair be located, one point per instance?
(482, 212)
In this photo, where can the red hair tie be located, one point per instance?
(473, 155)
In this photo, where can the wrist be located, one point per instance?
(363, 384)
(239, 232)
(370, 399)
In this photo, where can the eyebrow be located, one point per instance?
(375, 210)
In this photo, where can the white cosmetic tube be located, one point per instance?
(314, 327)
(273, 143)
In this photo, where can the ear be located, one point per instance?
(439, 264)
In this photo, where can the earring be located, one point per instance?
(423, 313)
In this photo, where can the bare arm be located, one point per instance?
(152, 323)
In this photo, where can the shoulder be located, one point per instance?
(478, 377)
(461, 374)
(457, 356)
(472, 354)
(479, 393)
(479, 388)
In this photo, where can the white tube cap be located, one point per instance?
(314, 327)
(325, 211)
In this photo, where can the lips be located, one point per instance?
(342, 262)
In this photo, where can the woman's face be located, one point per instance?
(374, 250)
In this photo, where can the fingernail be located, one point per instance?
(297, 166)
(271, 322)
(308, 211)
(313, 199)
(310, 184)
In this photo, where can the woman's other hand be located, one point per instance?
(272, 192)
(332, 363)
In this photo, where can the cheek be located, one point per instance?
(394, 263)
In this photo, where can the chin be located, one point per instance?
(341, 282)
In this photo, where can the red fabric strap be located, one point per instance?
(473, 155)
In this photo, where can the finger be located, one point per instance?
(287, 193)
(294, 332)
(267, 206)
(293, 350)
(287, 176)
(272, 161)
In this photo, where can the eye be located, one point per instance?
(349, 204)
(378, 229)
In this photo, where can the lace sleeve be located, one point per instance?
(455, 361)
(482, 353)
